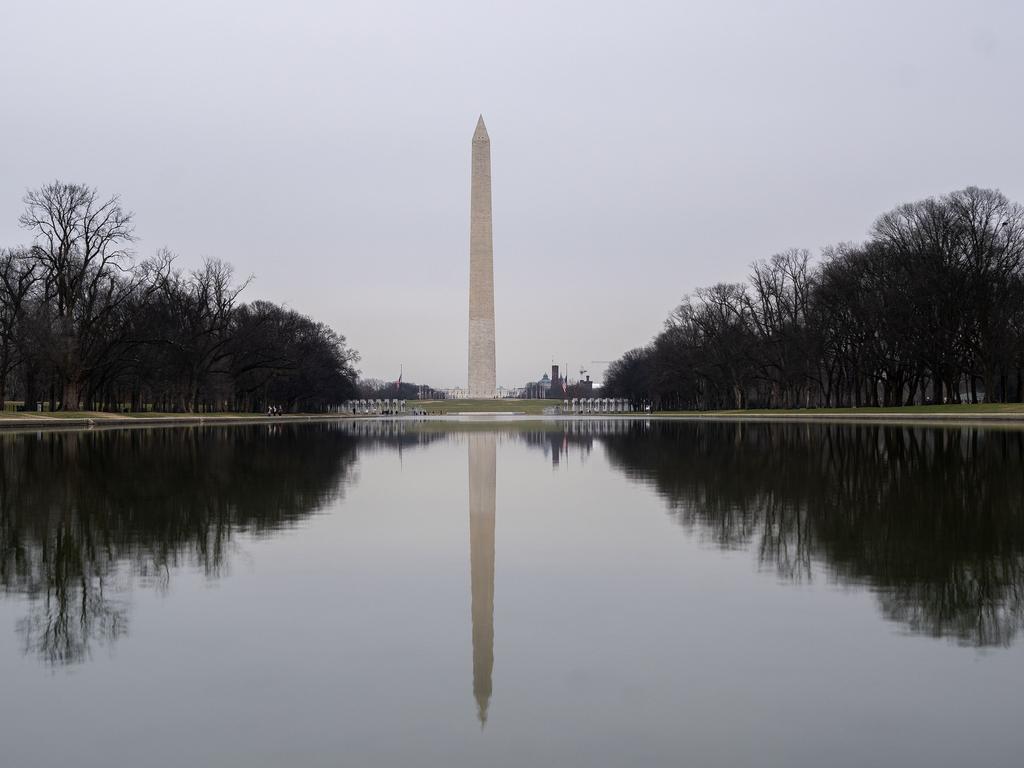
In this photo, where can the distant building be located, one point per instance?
(556, 387)
(429, 393)
(583, 388)
(537, 390)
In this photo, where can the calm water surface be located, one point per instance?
(552, 594)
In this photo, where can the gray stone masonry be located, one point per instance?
(481, 271)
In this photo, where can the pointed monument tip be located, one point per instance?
(481, 129)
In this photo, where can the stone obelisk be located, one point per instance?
(481, 271)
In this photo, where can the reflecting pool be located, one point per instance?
(590, 592)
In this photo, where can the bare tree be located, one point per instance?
(18, 276)
(199, 312)
(82, 251)
(929, 309)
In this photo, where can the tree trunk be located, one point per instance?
(72, 396)
(5, 361)
(911, 392)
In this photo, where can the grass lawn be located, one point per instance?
(54, 415)
(106, 415)
(534, 407)
(907, 410)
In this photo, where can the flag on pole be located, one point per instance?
(398, 384)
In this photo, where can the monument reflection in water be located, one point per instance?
(646, 599)
(482, 493)
(75, 537)
(931, 519)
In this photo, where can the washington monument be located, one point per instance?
(481, 271)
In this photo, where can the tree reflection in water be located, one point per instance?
(931, 519)
(84, 516)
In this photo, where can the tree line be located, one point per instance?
(378, 389)
(929, 309)
(84, 324)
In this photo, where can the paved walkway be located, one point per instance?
(106, 420)
(859, 416)
(44, 421)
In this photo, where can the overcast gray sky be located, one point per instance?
(639, 149)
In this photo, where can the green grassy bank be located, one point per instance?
(986, 411)
(107, 416)
(907, 410)
(532, 407)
